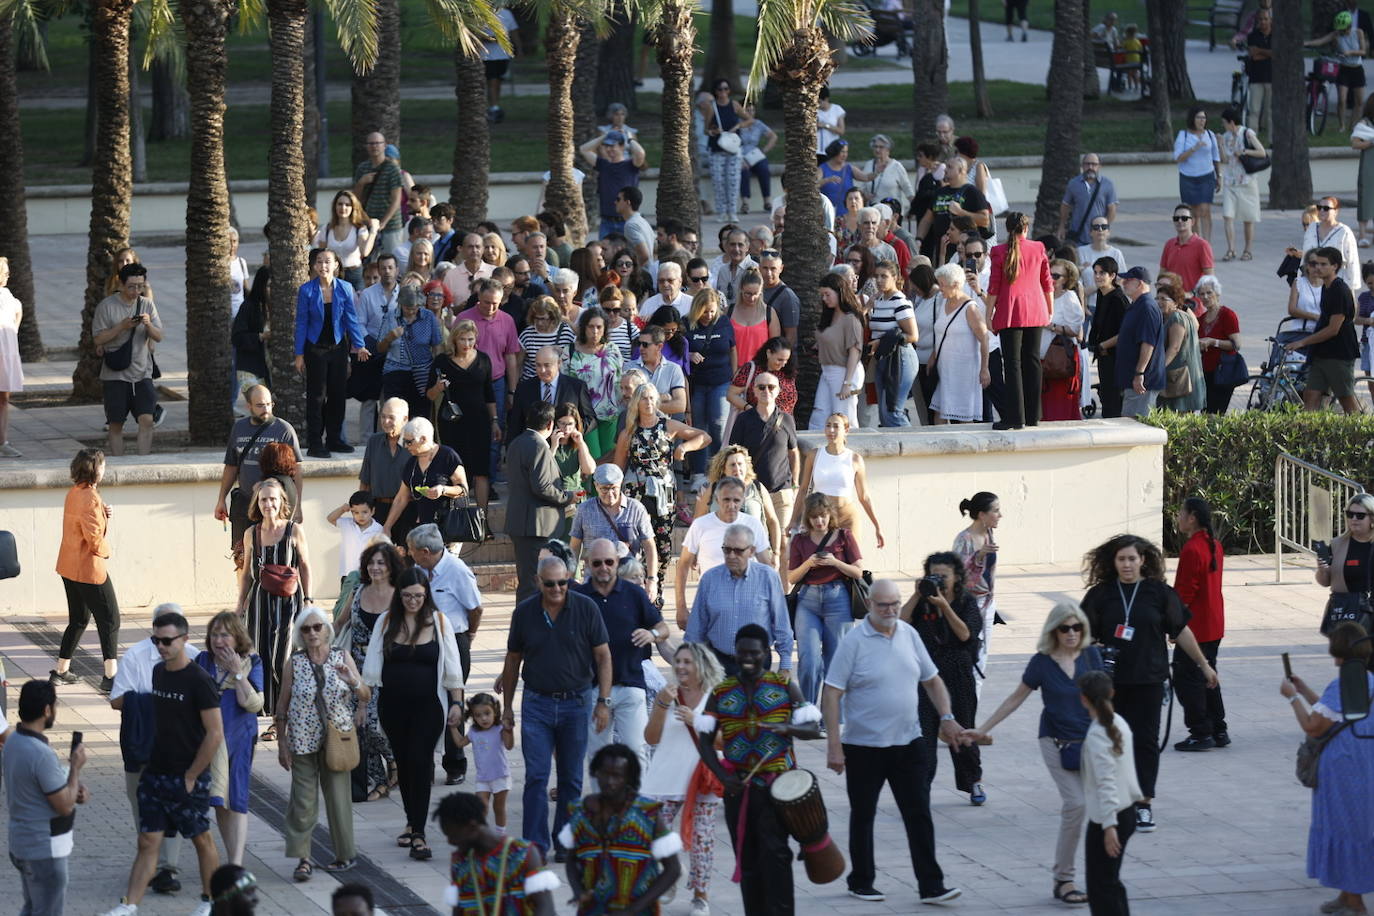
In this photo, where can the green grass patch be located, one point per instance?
(1041, 16)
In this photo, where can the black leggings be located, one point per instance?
(413, 729)
(1218, 396)
(1021, 375)
(1140, 705)
(83, 599)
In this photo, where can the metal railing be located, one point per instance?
(1305, 497)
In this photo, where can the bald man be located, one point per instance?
(247, 439)
(551, 386)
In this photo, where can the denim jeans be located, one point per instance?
(629, 718)
(551, 728)
(498, 389)
(1137, 405)
(387, 242)
(44, 884)
(709, 410)
(823, 618)
(909, 364)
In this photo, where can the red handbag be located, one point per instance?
(279, 580)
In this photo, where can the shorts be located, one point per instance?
(164, 806)
(1331, 376)
(1241, 202)
(495, 786)
(1197, 189)
(121, 398)
(496, 68)
(1364, 360)
(1350, 76)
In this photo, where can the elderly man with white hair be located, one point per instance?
(873, 673)
(669, 292)
(433, 472)
(740, 591)
(734, 260)
(384, 458)
(760, 239)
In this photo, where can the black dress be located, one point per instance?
(955, 660)
(422, 510)
(470, 391)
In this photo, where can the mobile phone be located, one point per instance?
(1287, 666)
(1323, 551)
(76, 740)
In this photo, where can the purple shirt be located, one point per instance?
(496, 337)
(488, 753)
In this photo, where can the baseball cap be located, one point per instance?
(1137, 273)
(608, 474)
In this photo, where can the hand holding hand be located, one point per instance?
(455, 715)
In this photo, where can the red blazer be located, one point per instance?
(1024, 303)
(1199, 587)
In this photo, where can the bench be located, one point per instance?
(1222, 14)
(1114, 62)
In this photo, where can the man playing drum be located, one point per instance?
(758, 713)
(875, 671)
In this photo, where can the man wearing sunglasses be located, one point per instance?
(1088, 198)
(770, 435)
(1187, 254)
(737, 592)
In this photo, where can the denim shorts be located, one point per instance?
(165, 807)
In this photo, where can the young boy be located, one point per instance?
(357, 530)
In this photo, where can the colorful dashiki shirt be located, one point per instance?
(476, 874)
(620, 861)
(740, 717)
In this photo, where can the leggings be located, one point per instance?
(83, 599)
(1021, 375)
(724, 169)
(413, 727)
(703, 851)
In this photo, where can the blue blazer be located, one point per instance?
(310, 315)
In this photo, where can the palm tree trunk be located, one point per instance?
(310, 133)
(929, 68)
(587, 69)
(286, 215)
(469, 190)
(138, 149)
(982, 104)
(92, 92)
(1172, 49)
(615, 71)
(563, 34)
(112, 188)
(802, 70)
(208, 355)
(14, 228)
(1092, 86)
(377, 94)
(171, 119)
(1290, 180)
(722, 60)
(1159, 83)
(675, 42)
(1060, 162)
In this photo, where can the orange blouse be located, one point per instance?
(84, 549)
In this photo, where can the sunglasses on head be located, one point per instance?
(554, 583)
(169, 640)
(1070, 628)
(1356, 515)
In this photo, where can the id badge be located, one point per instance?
(1124, 632)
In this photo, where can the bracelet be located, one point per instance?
(663, 705)
(1295, 697)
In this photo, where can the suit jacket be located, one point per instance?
(570, 390)
(1022, 303)
(310, 315)
(535, 501)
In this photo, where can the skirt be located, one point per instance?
(1196, 190)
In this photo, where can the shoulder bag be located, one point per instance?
(1231, 371)
(277, 579)
(859, 588)
(118, 359)
(1087, 214)
(933, 367)
(1059, 358)
(1252, 163)
(1070, 753)
(727, 142)
(1346, 606)
(340, 748)
(464, 523)
(1310, 755)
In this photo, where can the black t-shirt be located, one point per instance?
(1359, 558)
(557, 652)
(769, 443)
(626, 609)
(924, 197)
(178, 699)
(1337, 300)
(968, 197)
(1156, 612)
(1259, 71)
(1110, 311)
(438, 474)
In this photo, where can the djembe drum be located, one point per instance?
(797, 796)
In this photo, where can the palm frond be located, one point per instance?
(356, 24)
(469, 23)
(596, 12)
(779, 20)
(166, 41)
(252, 16)
(846, 20)
(28, 37)
(650, 12)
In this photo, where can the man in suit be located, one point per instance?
(535, 503)
(550, 387)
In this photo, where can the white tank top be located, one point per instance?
(833, 475)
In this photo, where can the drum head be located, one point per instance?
(792, 785)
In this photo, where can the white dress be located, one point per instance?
(11, 369)
(959, 396)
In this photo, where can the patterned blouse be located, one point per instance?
(740, 716)
(650, 451)
(487, 885)
(620, 860)
(306, 731)
(601, 372)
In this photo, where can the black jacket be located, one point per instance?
(570, 390)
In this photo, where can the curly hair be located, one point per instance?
(952, 560)
(1099, 564)
(394, 565)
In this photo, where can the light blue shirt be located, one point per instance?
(881, 679)
(724, 603)
(374, 304)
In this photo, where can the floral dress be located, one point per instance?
(649, 480)
(376, 749)
(601, 373)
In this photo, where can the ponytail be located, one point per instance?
(1016, 230)
(977, 503)
(1096, 687)
(1201, 511)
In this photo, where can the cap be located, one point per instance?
(614, 138)
(608, 474)
(1137, 273)
(1343, 20)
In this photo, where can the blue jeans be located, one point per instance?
(610, 225)
(44, 883)
(905, 379)
(709, 410)
(498, 387)
(823, 618)
(386, 243)
(551, 728)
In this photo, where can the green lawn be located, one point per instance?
(1040, 14)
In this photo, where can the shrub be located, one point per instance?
(1229, 461)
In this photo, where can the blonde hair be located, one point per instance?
(254, 513)
(701, 300)
(632, 410)
(1070, 272)
(716, 470)
(492, 237)
(427, 245)
(466, 326)
(1059, 614)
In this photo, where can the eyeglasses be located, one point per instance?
(600, 563)
(886, 605)
(169, 640)
(736, 551)
(1182, 219)
(1356, 515)
(649, 343)
(312, 627)
(1101, 227)
(765, 387)
(554, 583)
(412, 596)
(973, 254)
(625, 263)
(1070, 628)
(611, 311)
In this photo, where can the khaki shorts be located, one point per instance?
(1241, 201)
(1331, 376)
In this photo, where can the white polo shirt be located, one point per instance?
(706, 534)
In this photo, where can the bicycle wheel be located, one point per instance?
(1259, 393)
(1318, 108)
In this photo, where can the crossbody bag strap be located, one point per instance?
(253, 441)
(936, 360)
(1087, 214)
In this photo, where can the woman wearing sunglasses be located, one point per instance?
(1349, 570)
(1062, 655)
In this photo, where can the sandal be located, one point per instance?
(303, 871)
(405, 838)
(419, 849)
(378, 794)
(270, 734)
(1230, 255)
(339, 865)
(392, 777)
(1071, 897)
(1246, 256)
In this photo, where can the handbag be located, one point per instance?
(755, 156)
(449, 412)
(1310, 755)
(1059, 359)
(859, 588)
(1177, 383)
(1252, 163)
(277, 579)
(1232, 370)
(341, 753)
(996, 196)
(1346, 606)
(464, 523)
(726, 141)
(1070, 753)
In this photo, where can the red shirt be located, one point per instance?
(1199, 587)
(1188, 261)
(1226, 324)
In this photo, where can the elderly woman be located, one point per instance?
(414, 659)
(960, 358)
(597, 363)
(81, 564)
(461, 382)
(1349, 569)
(870, 219)
(889, 178)
(409, 337)
(1184, 390)
(1218, 335)
(1305, 295)
(1063, 653)
(546, 328)
(839, 348)
(274, 582)
(1060, 397)
(434, 472)
(320, 687)
(820, 560)
(847, 223)
(839, 472)
(237, 672)
(563, 285)
(774, 356)
(757, 140)
(1340, 843)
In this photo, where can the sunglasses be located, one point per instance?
(1101, 227)
(770, 253)
(312, 627)
(1070, 628)
(1182, 219)
(696, 279)
(600, 563)
(735, 550)
(1325, 207)
(169, 640)
(649, 343)
(625, 263)
(554, 583)
(407, 443)
(1356, 515)
(611, 311)
(765, 387)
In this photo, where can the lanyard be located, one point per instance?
(1128, 604)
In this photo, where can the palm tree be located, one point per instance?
(982, 104)
(1290, 180)
(563, 34)
(929, 68)
(1060, 162)
(675, 36)
(376, 93)
(722, 58)
(1159, 83)
(14, 228)
(468, 191)
(587, 67)
(792, 50)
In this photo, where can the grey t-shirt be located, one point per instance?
(32, 773)
(240, 437)
(110, 312)
(381, 471)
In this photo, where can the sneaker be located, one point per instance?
(165, 882)
(159, 414)
(978, 796)
(9, 451)
(1193, 743)
(124, 909)
(1221, 739)
(1145, 819)
(106, 684)
(700, 907)
(203, 909)
(63, 678)
(867, 893)
(942, 896)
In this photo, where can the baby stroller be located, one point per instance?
(891, 23)
(1283, 374)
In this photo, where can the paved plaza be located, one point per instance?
(1233, 822)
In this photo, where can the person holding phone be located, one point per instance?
(977, 548)
(1348, 569)
(123, 326)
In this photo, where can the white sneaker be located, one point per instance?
(124, 909)
(700, 907)
(202, 910)
(9, 451)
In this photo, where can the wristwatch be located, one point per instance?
(239, 676)
(947, 717)
(604, 701)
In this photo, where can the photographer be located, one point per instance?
(951, 626)
(1133, 613)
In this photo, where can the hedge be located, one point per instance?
(1229, 461)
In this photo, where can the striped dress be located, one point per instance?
(269, 617)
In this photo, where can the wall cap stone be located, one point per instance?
(200, 466)
(981, 438)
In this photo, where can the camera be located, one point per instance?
(1109, 656)
(929, 586)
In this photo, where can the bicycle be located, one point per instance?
(1323, 75)
(1240, 88)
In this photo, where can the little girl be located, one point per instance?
(490, 740)
(1111, 791)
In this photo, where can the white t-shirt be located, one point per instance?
(238, 285)
(1087, 257)
(354, 540)
(827, 118)
(490, 49)
(708, 532)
